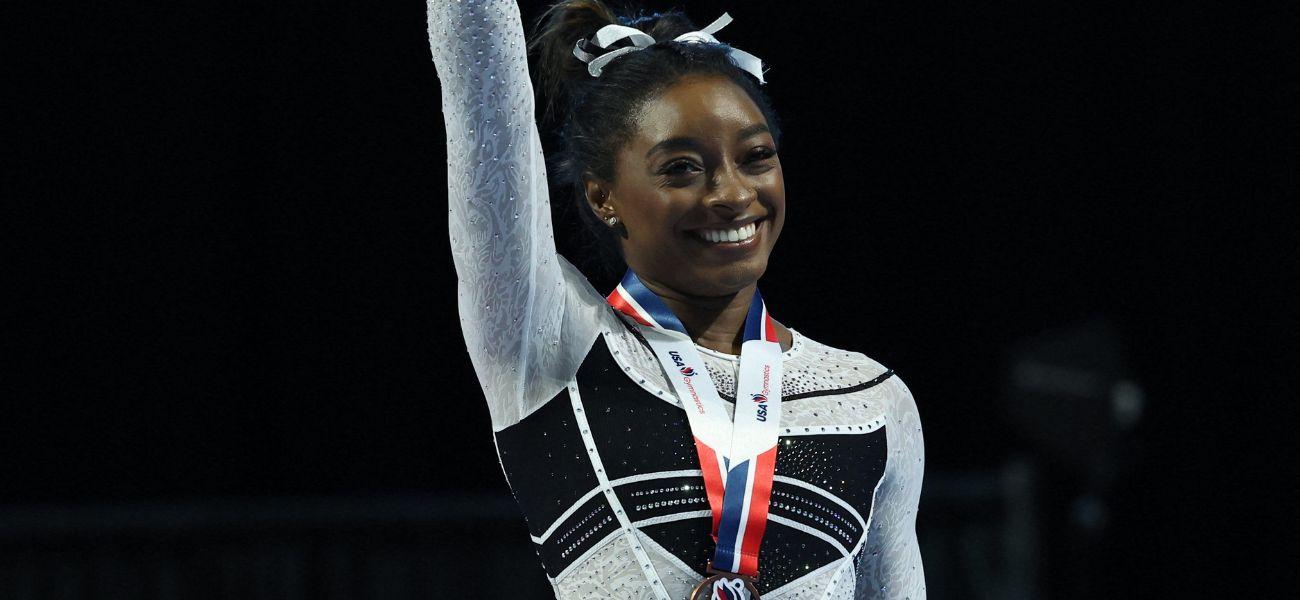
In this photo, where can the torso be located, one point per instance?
(613, 454)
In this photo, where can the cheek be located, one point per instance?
(658, 210)
(650, 216)
(774, 188)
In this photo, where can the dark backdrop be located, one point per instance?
(232, 278)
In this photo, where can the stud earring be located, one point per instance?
(612, 221)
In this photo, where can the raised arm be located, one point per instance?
(512, 287)
(893, 567)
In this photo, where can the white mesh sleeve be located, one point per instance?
(526, 317)
(892, 560)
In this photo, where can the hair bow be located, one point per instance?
(610, 34)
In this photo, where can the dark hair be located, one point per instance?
(595, 115)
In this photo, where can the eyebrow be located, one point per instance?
(687, 143)
(672, 145)
(752, 130)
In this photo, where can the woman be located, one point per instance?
(792, 469)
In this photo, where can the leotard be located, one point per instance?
(595, 447)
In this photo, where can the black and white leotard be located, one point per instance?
(594, 444)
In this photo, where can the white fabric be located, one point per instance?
(612, 33)
(529, 318)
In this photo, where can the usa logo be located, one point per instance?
(687, 371)
(729, 589)
(759, 398)
(722, 587)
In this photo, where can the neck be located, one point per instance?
(717, 322)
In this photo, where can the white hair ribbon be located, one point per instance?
(610, 34)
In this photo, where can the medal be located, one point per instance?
(725, 586)
(737, 454)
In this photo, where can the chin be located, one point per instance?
(729, 279)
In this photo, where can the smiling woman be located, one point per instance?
(672, 440)
(699, 190)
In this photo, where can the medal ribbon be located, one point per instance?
(737, 456)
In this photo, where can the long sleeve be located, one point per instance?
(892, 561)
(523, 328)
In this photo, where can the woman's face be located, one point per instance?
(699, 189)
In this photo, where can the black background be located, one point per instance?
(232, 277)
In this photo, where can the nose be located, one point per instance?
(731, 192)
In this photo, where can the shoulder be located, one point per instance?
(807, 352)
(852, 369)
(886, 390)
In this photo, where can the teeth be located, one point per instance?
(738, 234)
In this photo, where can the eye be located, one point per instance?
(760, 153)
(680, 167)
(760, 159)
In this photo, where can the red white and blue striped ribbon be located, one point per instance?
(737, 455)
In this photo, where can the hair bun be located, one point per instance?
(559, 73)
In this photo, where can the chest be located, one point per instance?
(615, 452)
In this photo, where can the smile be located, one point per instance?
(721, 236)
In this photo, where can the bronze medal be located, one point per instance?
(721, 585)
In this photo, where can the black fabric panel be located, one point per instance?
(591, 523)
(635, 431)
(817, 512)
(546, 462)
(657, 497)
(788, 554)
(848, 466)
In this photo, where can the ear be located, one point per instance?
(599, 197)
